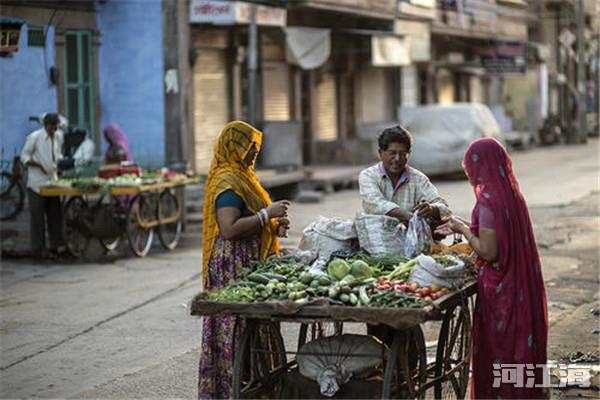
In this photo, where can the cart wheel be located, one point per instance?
(140, 239)
(169, 234)
(406, 366)
(259, 358)
(453, 354)
(77, 240)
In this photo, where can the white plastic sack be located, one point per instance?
(332, 361)
(428, 272)
(418, 237)
(380, 234)
(327, 235)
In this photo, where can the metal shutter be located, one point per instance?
(326, 110)
(211, 104)
(276, 86)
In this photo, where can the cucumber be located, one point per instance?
(315, 283)
(306, 278)
(258, 278)
(333, 292)
(324, 280)
(278, 277)
(353, 299)
(345, 298)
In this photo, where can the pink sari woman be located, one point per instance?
(510, 323)
(117, 144)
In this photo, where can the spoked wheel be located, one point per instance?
(453, 354)
(77, 240)
(406, 367)
(139, 238)
(169, 207)
(110, 244)
(317, 330)
(12, 196)
(258, 357)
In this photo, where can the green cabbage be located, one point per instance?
(360, 270)
(338, 269)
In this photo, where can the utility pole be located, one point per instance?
(252, 65)
(581, 92)
(172, 85)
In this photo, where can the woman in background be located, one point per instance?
(118, 145)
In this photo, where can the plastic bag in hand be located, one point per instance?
(418, 237)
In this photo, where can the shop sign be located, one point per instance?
(505, 57)
(219, 12)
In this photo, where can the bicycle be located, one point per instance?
(12, 189)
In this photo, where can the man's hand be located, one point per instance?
(32, 163)
(403, 216)
(426, 210)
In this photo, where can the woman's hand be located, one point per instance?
(278, 209)
(453, 225)
(283, 225)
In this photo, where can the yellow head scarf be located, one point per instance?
(229, 171)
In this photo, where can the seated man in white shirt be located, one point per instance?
(391, 187)
(41, 154)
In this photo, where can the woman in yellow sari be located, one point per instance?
(239, 226)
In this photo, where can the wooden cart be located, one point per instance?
(259, 362)
(136, 210)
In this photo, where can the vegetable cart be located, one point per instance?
(259, 362)
(132, 211)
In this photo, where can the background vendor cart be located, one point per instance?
(406, 370)
(133, 211)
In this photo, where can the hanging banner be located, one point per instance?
(390, 51)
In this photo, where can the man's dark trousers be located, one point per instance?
(44, 210)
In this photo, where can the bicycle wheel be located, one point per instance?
(77, 240)
(169, 234)
(12, 196)
(139, 238)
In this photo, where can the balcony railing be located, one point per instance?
(385, 9)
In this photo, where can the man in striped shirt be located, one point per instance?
(391, 187)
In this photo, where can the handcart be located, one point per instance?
(132, 211)
(259, 363)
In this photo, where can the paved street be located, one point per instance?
(121, 328)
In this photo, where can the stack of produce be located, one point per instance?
(360, 280)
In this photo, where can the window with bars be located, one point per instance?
(35, 36)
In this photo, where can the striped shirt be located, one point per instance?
(379, 196)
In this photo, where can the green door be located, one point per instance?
(79, 80)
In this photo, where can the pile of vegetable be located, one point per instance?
(125, 180)
(89, 183)
(360, 280)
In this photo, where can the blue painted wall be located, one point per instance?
(25, 90)
(131, 75)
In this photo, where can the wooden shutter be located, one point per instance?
(211, 104)
(326, 110)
